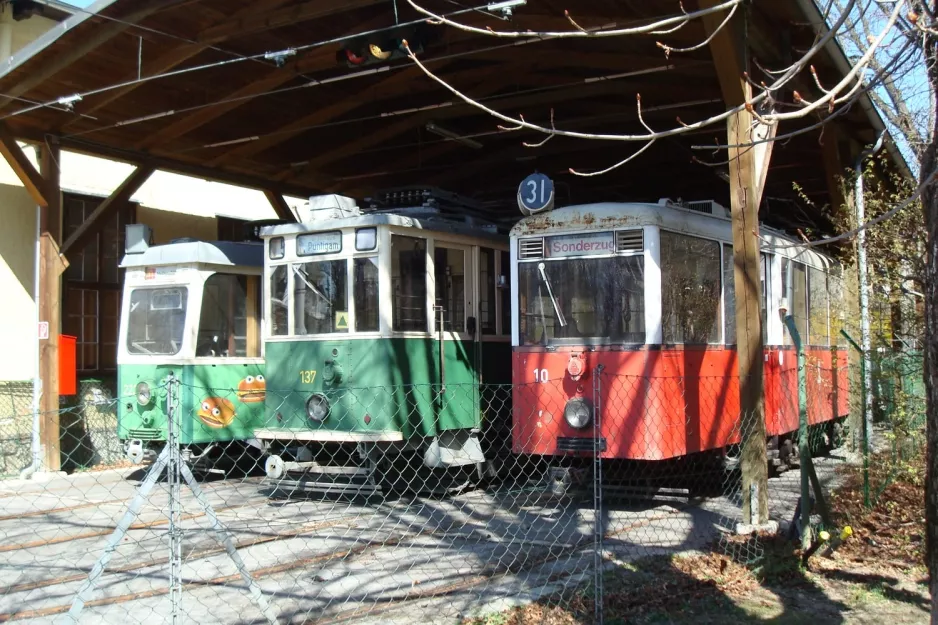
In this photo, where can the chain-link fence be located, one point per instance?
(412, 503)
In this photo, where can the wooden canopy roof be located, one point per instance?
(309, 121)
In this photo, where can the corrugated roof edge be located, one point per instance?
(51, 36)
(813, 13)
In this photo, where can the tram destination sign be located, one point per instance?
(319, 243)
(581, 244)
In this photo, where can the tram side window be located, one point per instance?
(690, 289)
(487, 290)
(835, 282)
(223, 322)
(729, 295)
(320, 297)
(279, 301)
(409, 284)
(795, 279)
(450, 273)
(156, 320)
(365, 286)
(504, 291)
(819, 333)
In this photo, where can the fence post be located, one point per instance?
(598, 524)
(804, 450)
(173, 476)
(866, 433)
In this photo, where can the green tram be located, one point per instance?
(190, 308)
(380, 329)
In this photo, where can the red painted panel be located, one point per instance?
(68, 372)
(660, 403)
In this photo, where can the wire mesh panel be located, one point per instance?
(411, 503)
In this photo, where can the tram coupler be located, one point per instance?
(135, 451)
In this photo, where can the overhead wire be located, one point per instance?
(270, 55)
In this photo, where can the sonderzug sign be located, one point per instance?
(582, 244)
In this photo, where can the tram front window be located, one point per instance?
(591, 300)
(156, 320)
(223, 323)
(320, 297)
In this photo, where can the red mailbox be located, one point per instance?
(68, 376)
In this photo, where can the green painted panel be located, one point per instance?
(378, 385)
(222, 402)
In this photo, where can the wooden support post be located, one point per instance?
(280, 205)
(748, 167)
(52, 265)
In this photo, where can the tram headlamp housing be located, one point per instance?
(143, 393)
(317, 407)
(578, 413)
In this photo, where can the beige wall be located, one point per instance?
(169, 225)
(18, 331)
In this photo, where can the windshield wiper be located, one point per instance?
(550, 292)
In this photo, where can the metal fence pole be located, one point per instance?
(804, 450)
(864, 390)
(598, 525)
(173, 476)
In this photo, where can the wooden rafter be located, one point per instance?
(23, 167)
(280, 206)
(307, 11)
(313, 60)
(119, 197)
(544, 100)
(174, 57)
(103, 33)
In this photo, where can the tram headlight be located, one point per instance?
(143, 393)
(317, 407)
(578, 412)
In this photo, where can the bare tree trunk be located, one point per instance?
(930, 210)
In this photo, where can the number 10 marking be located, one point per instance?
(540, 375)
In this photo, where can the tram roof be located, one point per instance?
(218, 253)
(364, 220)
(608, 216)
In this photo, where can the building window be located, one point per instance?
(231, 229)
(92, 285)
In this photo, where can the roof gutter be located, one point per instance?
(51, 36)
(814, 15)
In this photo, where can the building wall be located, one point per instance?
(169, 225)
(18, 329)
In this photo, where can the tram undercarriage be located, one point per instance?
(445, 464)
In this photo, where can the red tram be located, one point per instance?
(646, 291)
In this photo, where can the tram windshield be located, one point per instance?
(156, 320)
(582, 300)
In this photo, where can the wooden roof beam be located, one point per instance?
(172, 58)
(23, 167)
(312, 60)
(280, 206)
(118, 198)
(544, 100)
(314, 9)
(51, 65)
